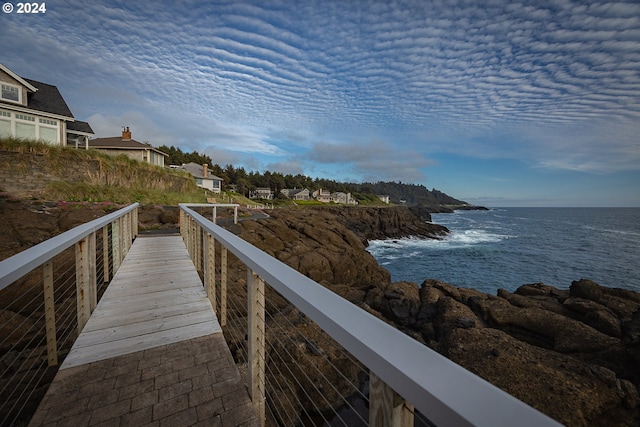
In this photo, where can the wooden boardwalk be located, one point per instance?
(152, 352)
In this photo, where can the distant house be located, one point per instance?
(343, 198)
(261, 193)
(117, 145)
(203, 177)
(323, 196)
(36, 110)
(384, 198)
(296, 193)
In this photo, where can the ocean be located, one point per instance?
(509, 247)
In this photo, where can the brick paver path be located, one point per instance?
(190, 383)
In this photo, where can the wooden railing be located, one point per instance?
(404, 374)
(54, 284)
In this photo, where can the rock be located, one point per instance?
(622, 302)
(544, 328)
(572, 392)
(595, 315)
(544, 302)
(540, 289)
(453, 315)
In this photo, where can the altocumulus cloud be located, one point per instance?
(553, 83)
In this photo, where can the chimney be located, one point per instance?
(205, 170)
(126, 134)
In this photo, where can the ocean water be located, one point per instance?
(508, 247)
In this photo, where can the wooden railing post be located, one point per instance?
(135, 222)
(82, 283)
(210, 269)
(386, 407)
(199, 254)
(50, 313)
(105, 254)
(93, 271)
(256, 345)
(223, 286)
(115, 245)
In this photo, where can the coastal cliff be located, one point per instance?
(572, 354)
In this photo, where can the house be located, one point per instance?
(323, 196)
(261, 193)
(343, 198)
(384, 198)
(203, 177)
(296, 193)
(35, 110)
(117, 145)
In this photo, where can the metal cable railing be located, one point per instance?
(47, 293)
(405, 381)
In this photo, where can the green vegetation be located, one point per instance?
(112, 179)
(365, 193)
(123, 180)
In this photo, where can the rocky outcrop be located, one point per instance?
(572, 354)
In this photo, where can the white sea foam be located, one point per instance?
(414, 247)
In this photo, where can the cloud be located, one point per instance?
(556, 84)
(374, 161)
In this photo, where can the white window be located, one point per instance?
(48, 130)
(25, 126)
(49, 122)
(5, 123)
(25, 130)
(25, 117)
(11, 93)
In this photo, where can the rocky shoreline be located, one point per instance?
(573, 354)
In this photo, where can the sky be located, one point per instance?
(498, 103)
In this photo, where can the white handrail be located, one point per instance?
(13, 268)
(442, 390)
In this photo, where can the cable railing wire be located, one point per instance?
(24, 349)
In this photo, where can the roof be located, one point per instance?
(196, 170)
(116, 143)
(18, 78)
(48, 99)
(294, 191)
(79, 127)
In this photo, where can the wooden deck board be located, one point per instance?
(156, 298)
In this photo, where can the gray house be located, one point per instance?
(117, 145)
(203, 177)
(35, 110)
(296, 193)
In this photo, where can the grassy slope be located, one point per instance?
(132, 190)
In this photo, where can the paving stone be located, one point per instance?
(162, 381)
(107, 412)
(144, 400)
(185, 362)
(170, 407)
(106, 398)
(200, 395)
(128, 379)
(171, 385)
(136, 389)
(193, 372)
(175, 390)
(210, 409)
(137, 418)
(185, 418)
(240, 414)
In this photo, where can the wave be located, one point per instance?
(412, 247)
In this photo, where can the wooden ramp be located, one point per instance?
(155, 298)
(152, 352)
